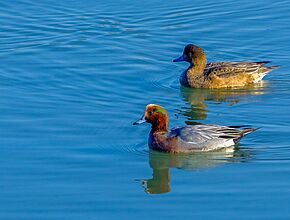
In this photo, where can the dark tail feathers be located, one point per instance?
(273, 67)
(270, 67)
(263, 62)
(245, 132)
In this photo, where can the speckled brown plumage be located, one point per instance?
(201, 74)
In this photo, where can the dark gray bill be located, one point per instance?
(179, 59)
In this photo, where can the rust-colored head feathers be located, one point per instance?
(157, 116)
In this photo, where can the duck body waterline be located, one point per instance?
(201, 74)
(193, 138)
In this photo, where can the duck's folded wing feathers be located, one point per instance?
(206, 137)
(227, 69)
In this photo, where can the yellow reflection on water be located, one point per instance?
(199, 98)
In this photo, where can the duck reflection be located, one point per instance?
(162, 162)
(198, 98)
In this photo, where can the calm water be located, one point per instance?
(74, 75)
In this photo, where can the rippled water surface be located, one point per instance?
(74, 75)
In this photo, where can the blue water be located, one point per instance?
(75, 75)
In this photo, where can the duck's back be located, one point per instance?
(207, 137)
(237, 72)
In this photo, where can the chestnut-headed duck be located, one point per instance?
(201, 74)
(191, 138)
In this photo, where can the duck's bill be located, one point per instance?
(179, 59)
(140, 121)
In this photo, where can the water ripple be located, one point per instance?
(74, 76)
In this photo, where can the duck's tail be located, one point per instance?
(265, 62)
(269, 68)
(244, 132)
(273, 67)
(263, 70)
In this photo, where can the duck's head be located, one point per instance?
(157, 116)
(192, 54)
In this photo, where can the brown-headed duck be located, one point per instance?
(201, 74)
(191, 138)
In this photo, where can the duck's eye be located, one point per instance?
(151, 113)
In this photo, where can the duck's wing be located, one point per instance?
(208, 137)
(228, 69)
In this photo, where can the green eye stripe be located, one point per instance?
(161, 111)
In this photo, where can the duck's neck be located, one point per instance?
(160, 125)
(198, 64)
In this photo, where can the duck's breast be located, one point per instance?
(183, 78)
(160, 141)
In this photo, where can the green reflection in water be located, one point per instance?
(162, 162)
